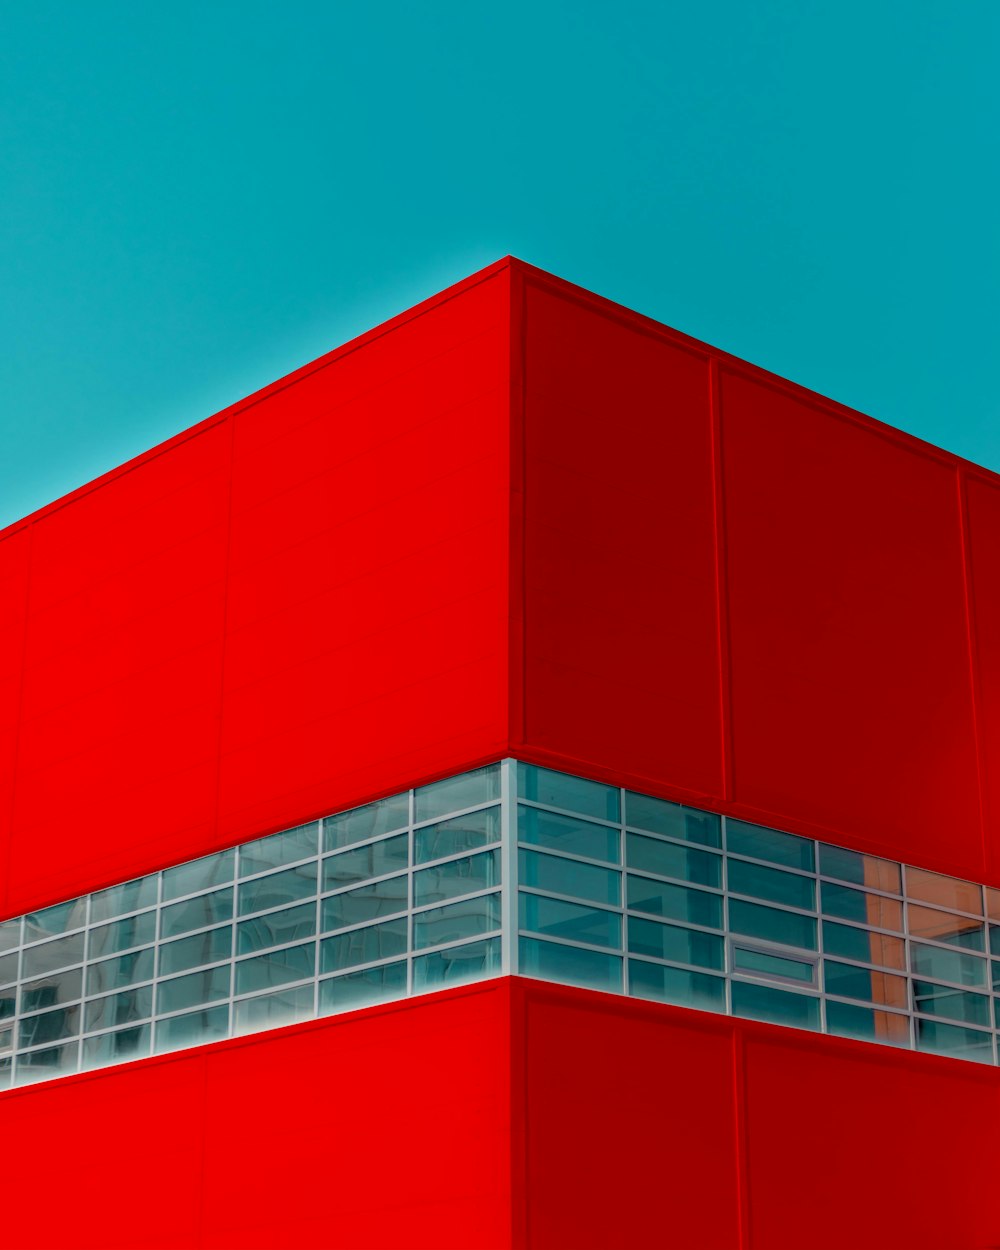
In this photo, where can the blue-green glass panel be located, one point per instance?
(867, 1024)
(120, 970)
(676, 985)
(363, 862)
(995, 964)
(939, 1000)
(676, 902)
(856, 905)
(564, 833)
(120, 899)
(852, 866)
(785, 927)
(941, 926)
(457, 965)
(192, 1029)
(40, 1065)
(568, 876)
(468, 918)
(669, 941)
(362, 946)
(121, 1008)
(763, 1002)
(277, 928)
(130, 1043)
(457, 877)
(573, 794)
(279, 888)
(198, 949)
(368, 902)
(120, 935)
(361, 989)
(570, 965)
(279, 849)
(771, 884)
(51, 991)
(270, 1011)
(945, 965)
(671, 819)
(197, 913)
(847, 942)
(8, 1003)
(49, 1026)
(572, 921)
(261, 972)
(369, 821)
(10, 934)
(63, 918)
(949, 1039)
(669, 860)
(8, 968)
(38, 961)
(761, 843)
(764, 963)
(995, 939)
(193, 989)
(874, 987)
(200, 874)
(461, 833)
(441, 798)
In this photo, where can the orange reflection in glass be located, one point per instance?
(883, 913)
(890, 1028)
(993, 903)
(931, 887)
(939, 925)
(881, 874)
(887, 990)
(887, 951)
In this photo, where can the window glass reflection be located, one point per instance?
(679, 945)
(276, 928)
(939, 926)
(119, 971)
(130, 1043)
(366, 822)
(362, 946)
(772, 884)
(763, 1002)
(676, 902)
(261, 972)
(758, 842)
(270, 1011)
(36, 961)
(862, 908)
(469, 918)
(457, 965)
(566, 834)
(121, 899)
(858, 869)
(201, 874)
(556, 918)
(676, 985)
(457, 877)
(574, 794)
(867, 1024)
(374, 860)
(361, 989)
(193, 1029)
(105, 1013)
(279, 849)
(369, 902)
(569, 965)
(569, 876)
(441, 798)
(461, 833)
(669, 860)
(931, 887)
(863, 945)
(868, 984)
(120, 935)
(672, 820)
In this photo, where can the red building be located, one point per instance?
(298, 956)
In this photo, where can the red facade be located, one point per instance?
(517, 520)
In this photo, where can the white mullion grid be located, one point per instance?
(509, 884)
(820, 970)
(320, 859)
(411, 859)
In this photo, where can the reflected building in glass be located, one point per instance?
(534, 727)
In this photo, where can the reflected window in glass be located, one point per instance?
(471, 789)
(573, 794)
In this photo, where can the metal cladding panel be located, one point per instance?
(384, 1128)
(295, 607)
(643, 1124)
(983, 513)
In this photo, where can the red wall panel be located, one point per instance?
(384, 1128)
(983, 517)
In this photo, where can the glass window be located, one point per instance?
(846, 981)
(270, 1011)
(771, 884)
(992, 905)
(676, 985)
(120, 970)
(457, 877)
(941, 926)
(938, 1000)
(564, 833)
(8, 1000)
(200, 948)
(369, 821)
(10, 934)
(469, 918)
(932, 961)
(276, 928)
(948, 1039)
(369, 902)
(123, 1008)
(573, 794)
(63, 918)
(863, 945)
(131, 1043)
(441, 798)
(362, 946)
(277, 889)
(461, 833)
(42, 1064)
(373, 860)
(785, 927)
(569, 965)
(763, 1002)
(669, 860)
(8, 968)
(49, 1026)
(196, 913)
(121, 899)
(776, 848)
(932, 887)
(193, 989)
(38, 961)
(200, 874)
(659, 816)
(762, 963)
(569, 876)
(53, 990)
(676, 902)
(995, 963)
(193, 1029)
(261, 972)
(867, 1024)
(571, 921)
(121, 935)
(858, 869)
(670, 941)
(279, 849)
(866, 909)
(457, 965)
(360, 989)
(994, 939)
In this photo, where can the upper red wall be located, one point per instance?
(739, 593)
(294, 607)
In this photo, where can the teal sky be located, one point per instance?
(197, 198)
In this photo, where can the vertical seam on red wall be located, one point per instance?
(518, 1111)
(970, 634)
(225, 621)
(516, 596)
(721, 571)
(740, 1127)
(8, 850)
(203, 1148)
